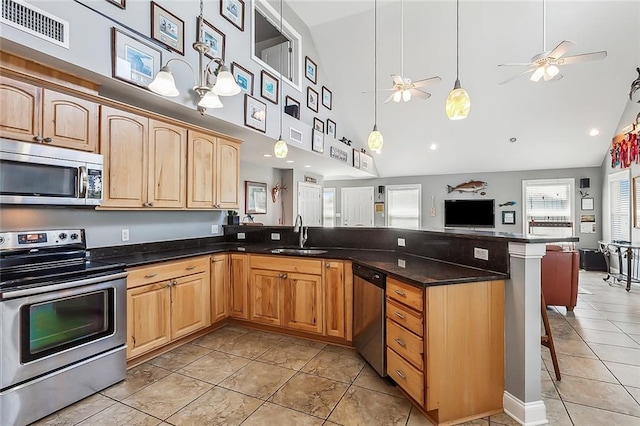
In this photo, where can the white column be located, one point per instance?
(522, 396)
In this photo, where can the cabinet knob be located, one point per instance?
(48, 140)
(327, 265)
(37, 138)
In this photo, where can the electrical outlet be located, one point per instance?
(401, 242)
(125, 235)
(275, 236)
(480, 253)
(241, 235)
(402, 263)
(214, 229)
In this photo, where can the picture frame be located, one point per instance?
(366, 162)
(331, 128)
(167, 28)
(269, 87)
(586, 203)
(120, 3)
(243, 77)
(255, 113)
(318, 124)
(292, 107)
(133, 61)
(233, 11)
(255, 197)
(317, 141)
(312, 99)
(356, 158)
(310, 70)
(212, 37)
(509, 217)
(327, 97)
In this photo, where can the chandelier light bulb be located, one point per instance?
(225, 83)
(280, 149)
(553, 70)
(375, 140)
(406, 95)
(210, 100)
(397, 96)
(164, 84)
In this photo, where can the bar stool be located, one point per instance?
(547, 339)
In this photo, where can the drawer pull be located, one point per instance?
(400, 293)
(401, 343)
(402, 376)
(188, 268)
(150, 275)
(399, 315)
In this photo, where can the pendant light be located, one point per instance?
(375, 140)
(280, 149)
(458, 102)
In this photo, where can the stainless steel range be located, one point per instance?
(62, 323)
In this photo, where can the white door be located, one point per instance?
(357, 206)
(310, 203)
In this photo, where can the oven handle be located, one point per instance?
(63, 286)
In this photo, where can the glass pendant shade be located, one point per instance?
(397, 96)
(553, 70)
(375, 140)
(164, 84)
(406, 95)
(280, 149)
(210, 100)
(225, 83)
(458, 103)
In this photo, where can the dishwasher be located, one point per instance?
(369, 316)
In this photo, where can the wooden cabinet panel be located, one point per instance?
(405, 344)
(124, 143)
(148, 318)
(406, 317)
(406, 376)
(20, 111)
(219, 286)
(167, 165)
(265, 295)
(334, 299)
(228, 174)
(238, 286)
(189, 304)
(70, 122)
(201, 170)
(405, 293)
(287, 264)
(303, 304)
(148, 274)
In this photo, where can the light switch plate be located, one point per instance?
(480, 253)
(241, 235)
(214, 229)
(401, 242)
(125, 235)
(275, 236)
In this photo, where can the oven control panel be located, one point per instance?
(40, 239)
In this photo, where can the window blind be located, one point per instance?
(548, 207)
(403, 206)
(619, 191)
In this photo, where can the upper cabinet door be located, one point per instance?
(228, 174)
(124, 143)
(201, 170)
(167, 165)
(70, 122)
(20, 111)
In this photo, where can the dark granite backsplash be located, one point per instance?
(123, 250)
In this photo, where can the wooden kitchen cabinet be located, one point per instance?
(238, 286)
(303, 302)
(148, 318)
(228, 174)
(21, 112)
(335, 292)
(189, 304)
(265, 295)
(219, 287)
(167, 165)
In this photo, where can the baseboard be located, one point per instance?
(525, 413)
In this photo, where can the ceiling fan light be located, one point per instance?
(280, 149)
(537, 74)
(164, 84)
(397, 96)
(553, 70)
(210, 100)
(375, 140)
(406, 95)
(458, 103)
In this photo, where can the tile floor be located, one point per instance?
(238, 376)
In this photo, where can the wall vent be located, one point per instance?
(37, 22)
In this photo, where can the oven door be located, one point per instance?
(65, 324)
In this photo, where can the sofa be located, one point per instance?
(559, 278)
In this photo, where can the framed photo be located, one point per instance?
(310, 70)
(255, 114)
(269, 87)
(317, 143)
(255, 197)
(327, 97)
(212, 37)
(233, 11)
(243, 77)
(133, 61)
(318, 124)
(167, 28)
(312, 99)
(292, 107)
(509, 217)
(331, 128)
(586, 203)
(366, 162)
(120, 3)
(356, 158)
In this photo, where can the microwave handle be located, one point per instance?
(82, 182)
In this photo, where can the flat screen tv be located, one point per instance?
(469, 213)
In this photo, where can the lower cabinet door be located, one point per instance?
(265, 296)
(303, 303)
(148, 318)
(406, 376)
(189, 304)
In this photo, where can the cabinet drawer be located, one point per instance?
(405, 343)
(405, 317)
(405, 293)
(406, 376)
(166, 270)
(287, 264)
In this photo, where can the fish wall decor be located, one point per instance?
(471, 186)
(508, 203)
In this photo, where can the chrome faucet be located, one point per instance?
(302, 231)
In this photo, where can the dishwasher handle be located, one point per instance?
(377, 278)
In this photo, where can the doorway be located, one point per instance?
(310, 203)
(357, 206)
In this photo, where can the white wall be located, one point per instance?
(255, 173)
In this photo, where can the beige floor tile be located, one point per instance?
(585, 313)
(477, 422)
(635, 392)
(364, 407)
(621, 317)
(265, 335)
(607, 396)
(416, 418)
(369, 379)
(166, 396)
(218, 338)
(137, 378)
(583, 415)
(628, 327)
(557, 413)
(336, 365)
(593, 324)
(217, 407)
(610, 307)
(304, 342)
(77, 412)
(607, 338)
(249, 346)
(572, 347)
(238, 328)
(628, 375)
(272, 414)
(581, 367)
(310, 394)
(503, 419)
(214, 367)
(616, 353)
(179, 357)
(289, 355)
(258, 379)
(635, 337)
(548, 388)
(564, 330)
(120, 414)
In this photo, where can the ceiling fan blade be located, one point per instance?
(397, 79)
(585, 57)
(561, 49)
(516, 65)
(529, 71)
(389, 98)
(420, 94)
(426, 81)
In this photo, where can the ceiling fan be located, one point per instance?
(545, 66)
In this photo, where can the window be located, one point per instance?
(619, 196)
(329, 207)
(548, 207)
(268, 43)
(403, 206)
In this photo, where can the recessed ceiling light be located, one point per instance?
(594, 132)
(268, 155)
(307, 165)
(433, 146)
(513, 140)
(289, 161)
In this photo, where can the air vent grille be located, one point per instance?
(32, 20)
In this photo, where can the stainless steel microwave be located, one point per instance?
(33, 173)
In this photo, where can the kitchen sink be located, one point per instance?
(297, 251)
